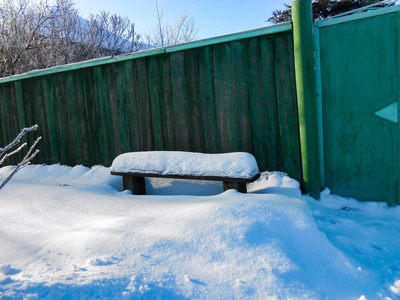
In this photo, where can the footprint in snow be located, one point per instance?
(7, 270)
(376, 247)
(195, 281)
(104, 261)
(348, 208)
(76, 268)
(5, 280)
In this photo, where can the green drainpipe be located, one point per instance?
(306, 96)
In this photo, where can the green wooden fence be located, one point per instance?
(234, 93)
(359, 70)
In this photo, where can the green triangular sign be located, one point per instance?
(389, 113)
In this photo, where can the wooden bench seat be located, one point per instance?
(135, 167)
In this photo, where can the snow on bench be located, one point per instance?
(233, 169)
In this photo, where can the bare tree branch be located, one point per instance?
(27, 158)
(184, 30)
(26, 161)
(16, 141)
(12, 153)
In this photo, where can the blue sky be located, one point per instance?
(213, 17)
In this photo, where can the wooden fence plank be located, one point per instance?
(68, 89)
(155, 103)
(241, 71)
(29, 91)
(272, 130)
(16, 117)
(57, 101)
(109, 73)
(50, 110)
(166, 102)
(104, 131)
(193, 102)
(225, 98)
(7, 131)
(11, 107)
(106, 74)
(121, 91)
(132, 113)
(181, 109)
(20, 104)
(206, 88)
(143, 103)
(81, 121)
(257, 104)
(91, 117)
(41, 119)
(3, 129)
(287, 109)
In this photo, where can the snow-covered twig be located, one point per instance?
(12, 153)
(27, 158)
(9, 177)
(15, 142)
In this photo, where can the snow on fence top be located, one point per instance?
(235, 165)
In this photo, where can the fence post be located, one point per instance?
(306, 96)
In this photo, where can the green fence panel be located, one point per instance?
(234, 93)
(360, 77)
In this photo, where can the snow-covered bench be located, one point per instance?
(235, 170)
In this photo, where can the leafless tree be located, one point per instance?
(165, 34)
(20, 26)
(7, 151)
(111, 35)
(39, 35)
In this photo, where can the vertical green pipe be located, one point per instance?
(306, 95)
(398, 104)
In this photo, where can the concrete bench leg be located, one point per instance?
(239, 186)
(134, 184)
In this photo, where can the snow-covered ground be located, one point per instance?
(73, 233)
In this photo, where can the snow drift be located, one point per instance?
(73, 233)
